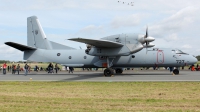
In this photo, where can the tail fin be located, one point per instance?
(36, 36)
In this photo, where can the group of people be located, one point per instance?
(15, 68)
(51, 68)
(195, 69)
(70, 69)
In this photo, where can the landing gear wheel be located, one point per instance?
(176, 71)
(108, 72)
(118, 71)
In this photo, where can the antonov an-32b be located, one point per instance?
(113, 52)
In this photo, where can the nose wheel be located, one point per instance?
(108, 72)
(176, 71)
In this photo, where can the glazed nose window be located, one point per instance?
(179, 52)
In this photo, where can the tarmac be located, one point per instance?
(97, 76)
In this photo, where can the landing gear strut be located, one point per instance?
(109, 71)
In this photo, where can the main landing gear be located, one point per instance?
(118, 70)
(108, 72)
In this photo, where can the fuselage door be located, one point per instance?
(160, 57)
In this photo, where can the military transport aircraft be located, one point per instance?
(113, 52)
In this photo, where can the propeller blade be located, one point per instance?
(146, 32)
(146, 46)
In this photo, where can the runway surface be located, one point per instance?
(140, 75)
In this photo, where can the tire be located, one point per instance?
(108, 72)
(118, 71)
(176, 71)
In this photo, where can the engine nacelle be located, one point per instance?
(94, 51)
(121, 51)
(149, 45)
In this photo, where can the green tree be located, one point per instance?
(198, 58)
(3, 61)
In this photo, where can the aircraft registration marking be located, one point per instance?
(180, 61)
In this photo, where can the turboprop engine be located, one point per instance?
(131, 43)
(146, 39)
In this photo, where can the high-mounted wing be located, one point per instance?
(98, 43)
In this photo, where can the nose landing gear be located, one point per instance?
(176, 71)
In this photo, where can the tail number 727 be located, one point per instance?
(180, 61)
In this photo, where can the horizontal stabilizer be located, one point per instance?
(98, 43)
(19, 46)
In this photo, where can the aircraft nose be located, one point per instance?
(193, 60)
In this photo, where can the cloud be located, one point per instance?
(171, 37)
(91, 28)
(92, 31)
(10, 53)
(187, 46)
(175, 22)
(126, 21)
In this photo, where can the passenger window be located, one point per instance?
(70, 57)
(58, 54)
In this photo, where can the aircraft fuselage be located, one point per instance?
(78, 58)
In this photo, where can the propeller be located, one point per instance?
(146, 39)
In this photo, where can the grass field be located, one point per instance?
(99, 96)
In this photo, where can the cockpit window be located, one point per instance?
(179, 52)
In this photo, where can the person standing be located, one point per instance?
(18, 69)
(50, 68)
(67, 68)
(71, 69)
(13, 68)
(8, 68)
(29, 68)
(56, 67)
(26, 67)
(4, 68)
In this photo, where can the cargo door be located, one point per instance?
(160, 57)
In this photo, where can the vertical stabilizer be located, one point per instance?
(36, 36)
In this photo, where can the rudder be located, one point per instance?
(35, 34)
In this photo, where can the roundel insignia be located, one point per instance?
(58, 54)
(36, 32)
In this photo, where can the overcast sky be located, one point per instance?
(173, 23)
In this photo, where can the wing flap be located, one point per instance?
(19, 46)
(98, 43)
